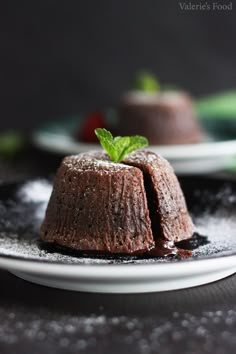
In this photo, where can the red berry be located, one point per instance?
(93, 120)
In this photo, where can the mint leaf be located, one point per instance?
(119, 147)
(136, 142)
(121, 144)
(146, 82)
(106, 140)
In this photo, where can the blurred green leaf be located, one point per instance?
(146, 82)
(218, 106)
(11, 143)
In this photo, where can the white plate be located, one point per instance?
(210, 156)
(130, 278)
(185, 159)
(22, 208)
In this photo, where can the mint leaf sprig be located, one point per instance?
(120, 146)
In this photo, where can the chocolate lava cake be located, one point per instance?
(164, 118)
(126, 208)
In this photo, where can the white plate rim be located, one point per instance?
(62, 143)
(116, 270)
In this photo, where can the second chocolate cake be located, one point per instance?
(164, 118)
(98, 205)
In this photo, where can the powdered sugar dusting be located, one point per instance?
(35, 191)
(220, 230)
(147, 157)
(217, 221)
(93, 161)
(171, 98)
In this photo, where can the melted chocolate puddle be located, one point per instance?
(194, 242)
(182, 249)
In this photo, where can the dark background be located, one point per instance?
(63, 57)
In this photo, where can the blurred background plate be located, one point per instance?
(213, 155)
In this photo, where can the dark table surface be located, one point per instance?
(36, 319)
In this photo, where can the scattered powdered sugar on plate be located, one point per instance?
(72, 333)
(220, 230)
(217, 221)
(22, 213)
(37, 191)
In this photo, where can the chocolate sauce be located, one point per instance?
(194, 242)
(163, 248)
(167, 248)
(182, 249)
